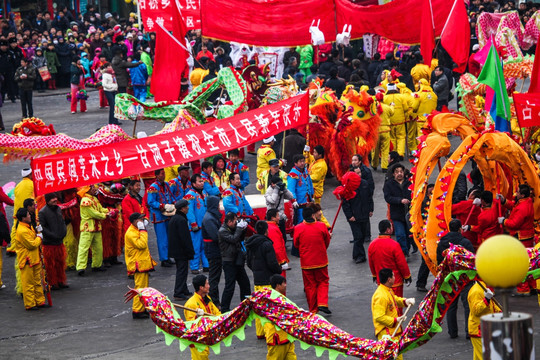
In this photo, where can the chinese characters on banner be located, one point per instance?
(161, 11)
(90, 166)
(527, 109)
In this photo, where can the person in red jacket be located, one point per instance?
(312, 239)
(488, 225)
(520, 223)
(385, 252)
(275, 234)
(467, 212)
(133, 203)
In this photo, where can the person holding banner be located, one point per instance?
(265, 154)
(234, 165)
(196, 198)
(209, 185)
(161, 202)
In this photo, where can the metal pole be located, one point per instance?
(507, 338)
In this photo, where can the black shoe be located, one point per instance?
(131, 276)
(360, 260)
(99, 269)
(63, 286)
(44, 306)
(141, 315)
(325, 310)
(195, 272)
(384, 171)
(453, 336)
(421, 289)
(166, 264)
(115, 261)
(189, 293)
(205, 269)
(32, 308)
(181, 297)
(171, 261)
(55, 287)
(81, 272)
(415, 250)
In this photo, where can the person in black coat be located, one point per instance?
(398, 196)
(261, 257)
(455, 237)
(210, 226)
(358, 210)
(231, 237)
(294, 145)
(368, 186)
(65, 54)
(180, 248)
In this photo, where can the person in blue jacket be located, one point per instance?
(209, 184)
(235, 166)
(234, 199)
(139, 78)
(300, 184)
(87, 64)
(196, 198)
(160, 201)
(181, 184)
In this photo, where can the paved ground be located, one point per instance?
(89, 320)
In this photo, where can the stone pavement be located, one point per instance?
(90, 321)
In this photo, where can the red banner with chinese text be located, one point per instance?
(527, 109)
(90, 166)
(161, 11)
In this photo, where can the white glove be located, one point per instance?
(285, 266)
(402, 318)
(40, 236)
(200, 312)
(140, 225)
(307, 148)
(465, 227)
(169, 207)
(477, 202)
(284, 162)
(488, 294)
(501, 198)
(410, 301)
(500, 219)
(39, 228)
(295, 205)
(145, 222)
(242, 224)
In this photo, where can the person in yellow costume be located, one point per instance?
(263, 181)
(138, 259)
(201, 303)
(279, 347)
(480, 304)
(23, 190)
(171, 172)
(402, 108)
(384, 306)
(91, 214)
(264, 154)
(420, 71)
(197, 75)
(382, 149)
(411, 125)
(424, 102)
(28, 260)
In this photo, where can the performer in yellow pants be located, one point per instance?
(259, 329)
(90, 240)
(382, 148)
(279, 347)
(480, 304)
(402, 108)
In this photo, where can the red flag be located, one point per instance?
(169, 64)
(179, 29)
(535, 76)
(527, 109)
(427, 34)
(456, 35)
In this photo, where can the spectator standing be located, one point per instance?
(110, 87)
(133, 202)
(210, 228)
(231, 245)
(39, 61)
(139, 78)
(180, 248)
(441, 88)
(335, 83)
(54, 230)
(120, 67)
(52, 65)
(25, 76)
(77, 84)
(65, 55)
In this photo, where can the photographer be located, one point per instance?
(275, 196)
(230, 237)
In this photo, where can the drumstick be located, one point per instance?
(188, 309)
(469, 216)
(493, 298)
(400, 321)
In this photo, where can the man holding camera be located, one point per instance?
(263, 180)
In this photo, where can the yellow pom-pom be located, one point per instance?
(502, 261)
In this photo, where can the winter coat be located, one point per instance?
(452, 238)
(138, 74)
(52, 61)
(210, 227)
(76, 73)
(180, 245)
(294, 145)
(63, 50)
(137, 254)
(393, 194)
(229, 242)
(109, 82)
(120, 67)
(86, 65)
(54, 227)
(275, 198)
(107, 52)
(261, 259)
(6, 62)
(360, 205)
(442, 88)
(28, 82)
(39, 61)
